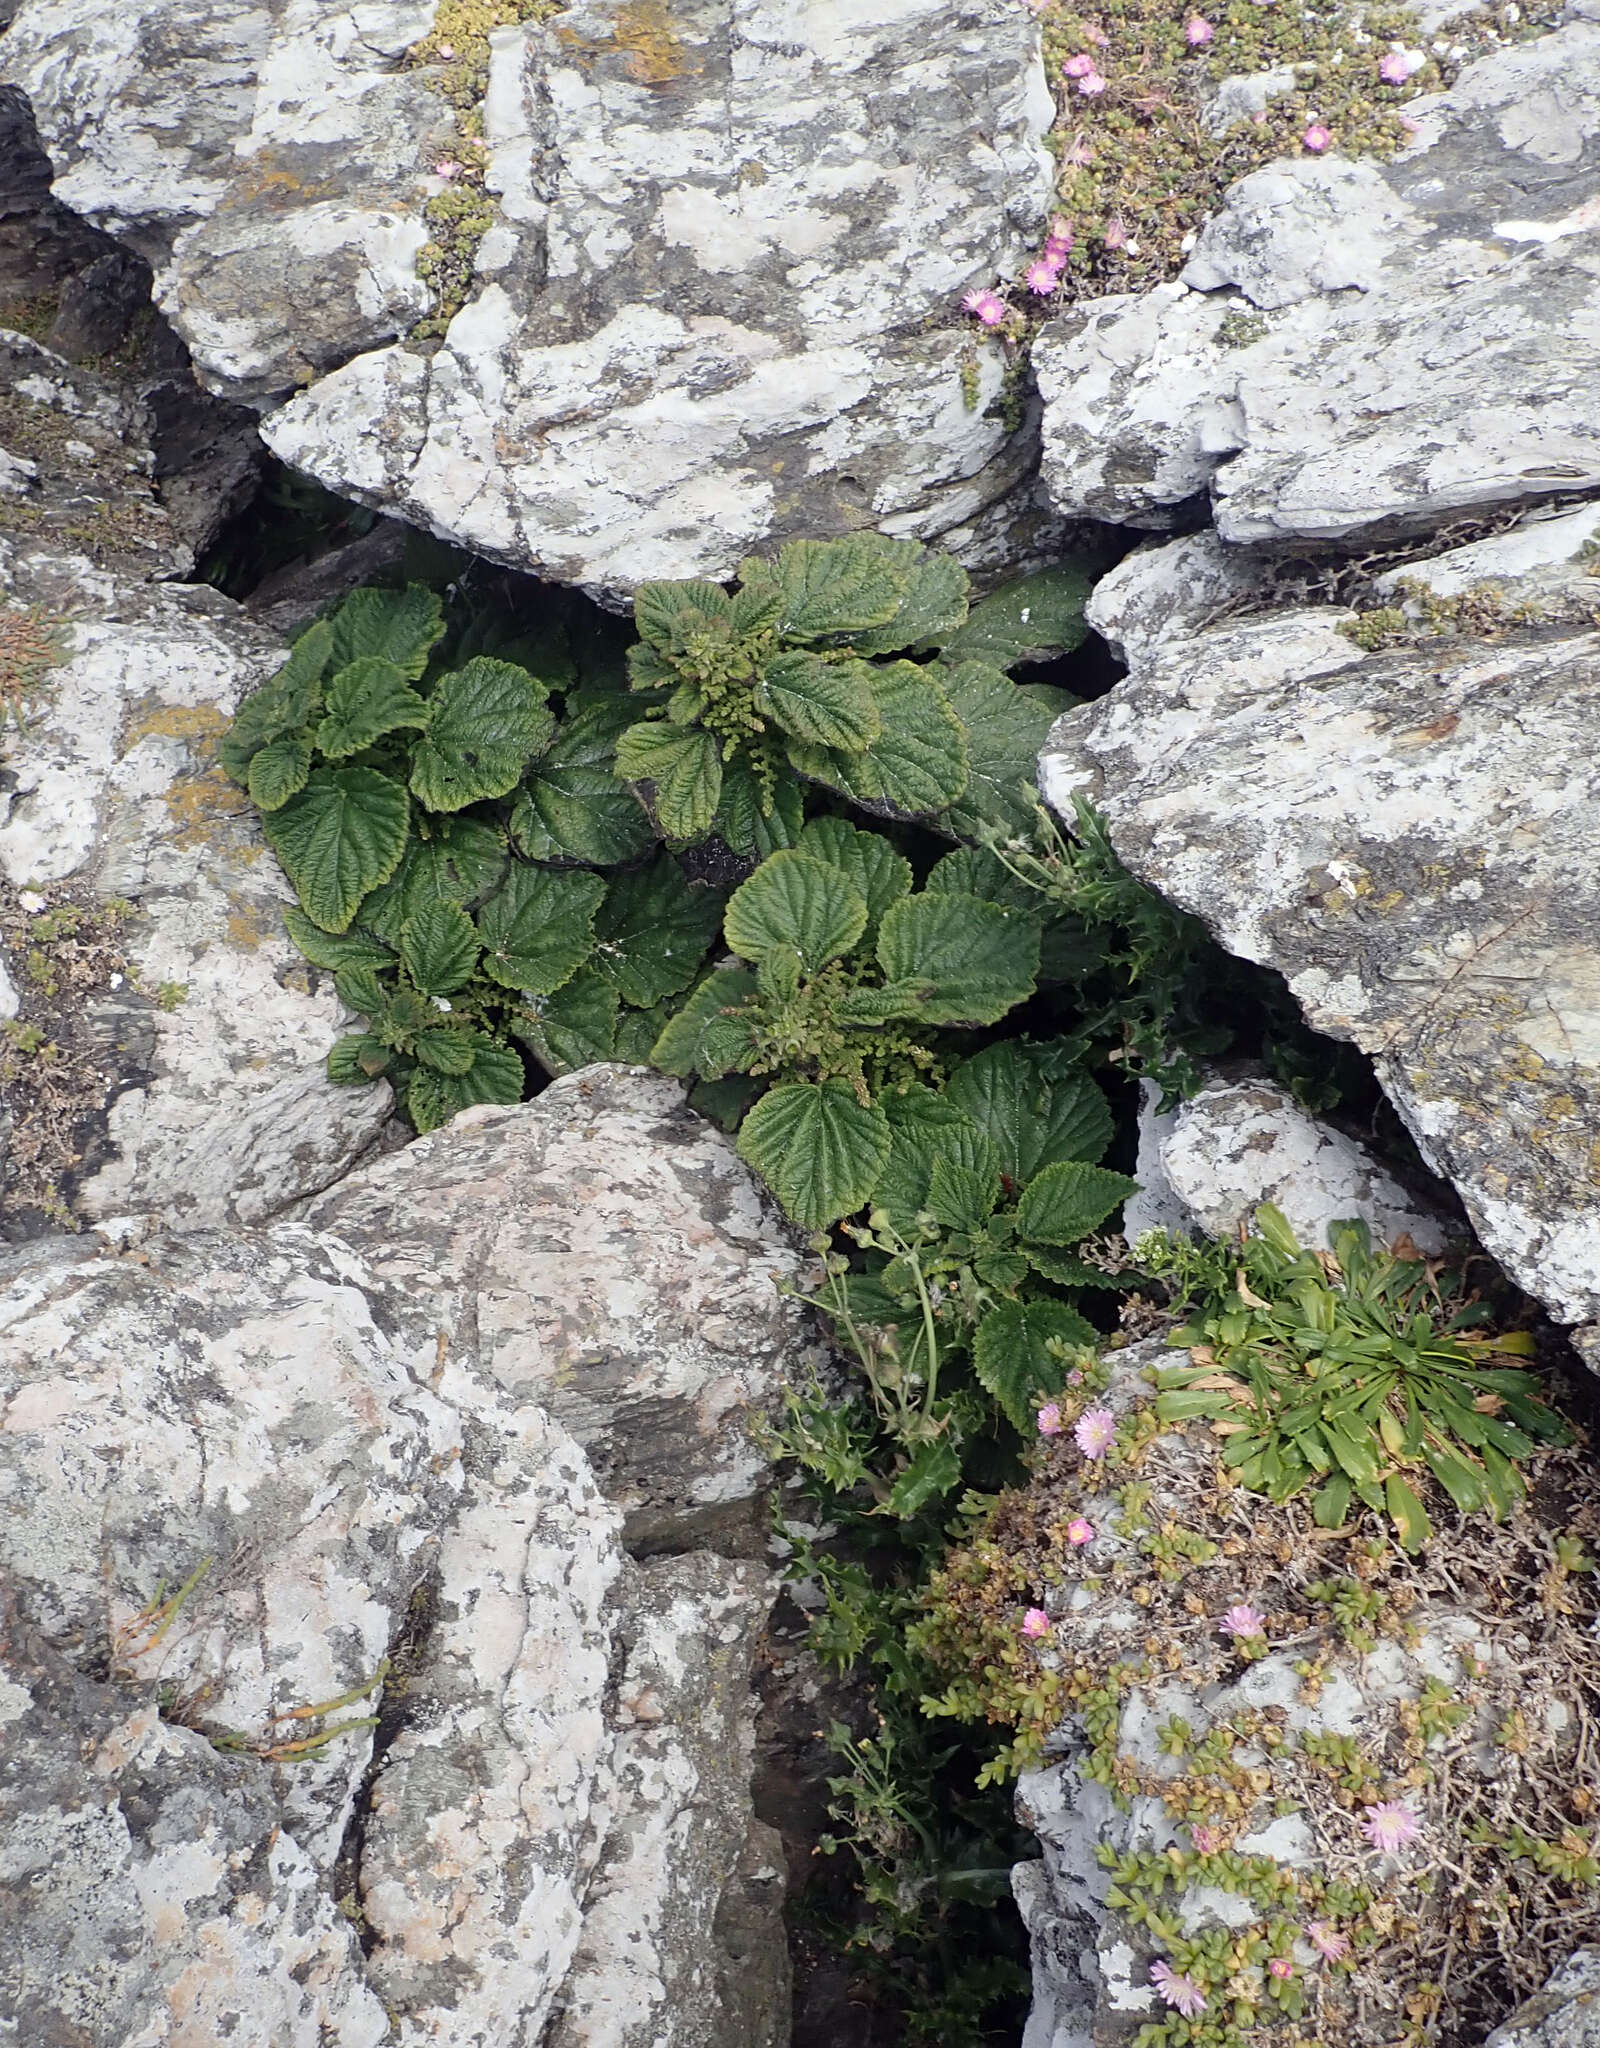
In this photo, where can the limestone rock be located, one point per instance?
(608, 1256)
(1565, 2014)
(1405, 834)
(187, 1079)
(1236, 1145)
(1357, 349)
(718, 305)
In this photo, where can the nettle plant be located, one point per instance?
(1352, 1370)
(431, 818)
(805, 674)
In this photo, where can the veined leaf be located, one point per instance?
(1068, 1200)
(1410, 1518)
(334, 951)
(495, 1075)
(365, 700)
(1036, 616)
(1332, 1503)
(817, 1148)
(445, 1052)
(793, 900)
(933, 1469)
(652, 932)
(918, 762)
(1013, 1358)
(1005, 728)
(685, 765)
(573, 806)
(664, 614)
(926, 1127)
(981, 957)
(962, 1197)
(741, 823)
(398, 626)
(357, 1060)
(285, 703)
(874, 869)
(573, 1027)
(279, 770)
(933, 607)
(538, 927)
(975, 871)
(341, 836)
(677, 1050)
(460, 863)
(486, 721)
(830, 702)
(829, 586)
(866, 1006)
(440, 948)
(1031, 1120)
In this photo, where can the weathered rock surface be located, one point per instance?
(187, 1077)
(1565, 2014)
(1356, 349)
(1406, 835)
(548, 1836)
(1222, 1153)
(713, 311)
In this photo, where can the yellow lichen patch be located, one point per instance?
(643, 32)
(249, 923)
(198, 803)
(197, 725)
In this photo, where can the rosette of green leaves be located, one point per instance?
(397, 793)
(1356, 1373)
(851, 976)
(805, 674)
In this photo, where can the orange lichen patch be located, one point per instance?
(645, 35)
(198, 803)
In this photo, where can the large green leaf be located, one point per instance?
(652, 932)
(574, 1026)
(460, 862)
(981, 957)
(1031, 1120)
(830, 586)
(975, 871)
(279, 770)
(340, 837)
(876, 871)
(685, 766)
(496, 1075)
(933, 607)
(665, 614)
(830, 702)
(538, 927)
(487, 720)
(572, 806)
(1038, 615)
(926, 1127)
(794, 901)
(440, 948)
(817, 1148)
(282, 707)
(677, 1050)
(918, 762)
(358, 1060)
(742, 823)
(399, 626)
(1006, 727)
(1012, 1355)
(334, 951)
(1066, 1201)
(365, 700)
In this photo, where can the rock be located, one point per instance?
(609, 1256)
(1233, 1146)
(235, 1478)
(1565, 2014)
(1404, 835)
(716, 306)
(1267, 375)
(140, 915)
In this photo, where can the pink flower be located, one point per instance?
(1074, 1378)
(1280, 1967)
(1094, 1431)
(1389, 1825)
(1043, 276)
(1244, 1622)
(1178, 1990)
(1081, 66)
(986, 307)
(1050, 1419)
(1328, 1942)
(1092, 85)
(1077, 152)
(447, 167)
(1197, 31)
(1080, 1532)
(1035, 1623)
(1058, 244)
(1115, 234)
(1094, 33)
(1207, 1840)
(447, 51)
(1397, 66)
(1317, 138)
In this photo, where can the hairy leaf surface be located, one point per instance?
(399, 626)
(285, 703)
(817, 1148)
(933, 607)
(981, 957)
(538, 927)
(685, 765)
(495, 1075)
(1036, 616)
(793, 900)
(439, 946)
(574, 1026)
(829, 586)
(342, 835)
(1031, 1120)
(652, 931)
(918, 762)
(875, 870)
(1012, 1357)
(1064, 1202)
(365, 700)
(572, 806)
(487, 720)
(829, 702)
(677, 1050)
(1005, 727)
(279, 770)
